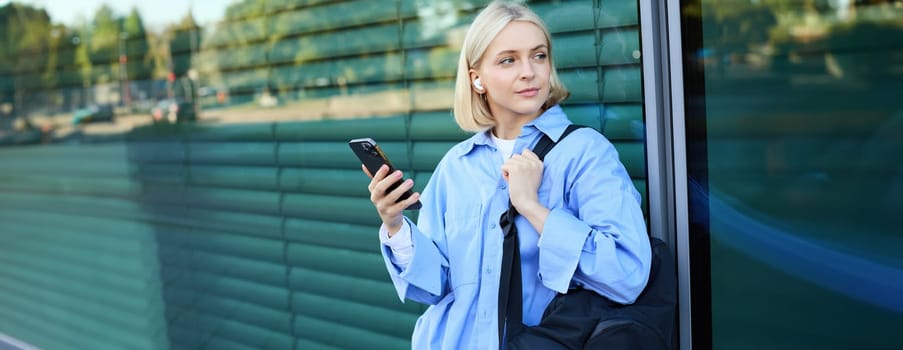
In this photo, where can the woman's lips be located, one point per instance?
(528, 92)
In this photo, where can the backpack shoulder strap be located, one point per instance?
(546, 144)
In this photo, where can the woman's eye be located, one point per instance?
(506, 60)
(540, 56)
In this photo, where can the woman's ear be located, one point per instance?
(476, 82)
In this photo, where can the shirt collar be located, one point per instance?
(552, 122)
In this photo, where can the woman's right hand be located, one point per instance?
(389, 211)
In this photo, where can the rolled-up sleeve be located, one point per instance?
(425, 283)
(560, 247)
(599, 241)
(425, 275)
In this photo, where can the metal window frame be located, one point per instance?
(663, 103)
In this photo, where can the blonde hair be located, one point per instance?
(471, 109)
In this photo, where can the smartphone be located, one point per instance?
(373, 158)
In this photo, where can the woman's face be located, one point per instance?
(515, 71)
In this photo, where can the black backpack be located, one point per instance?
(649, 322)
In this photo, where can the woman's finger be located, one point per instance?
(410, 201)
(528, 154)
(396, 193)
(384, 183)
(376, 178)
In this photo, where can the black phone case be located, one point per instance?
(372, 156)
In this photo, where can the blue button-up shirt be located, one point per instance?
(595, 235)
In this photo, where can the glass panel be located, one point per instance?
(794, 122)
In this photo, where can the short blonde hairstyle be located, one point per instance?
(471, 109)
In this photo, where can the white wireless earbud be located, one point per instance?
(478, 84)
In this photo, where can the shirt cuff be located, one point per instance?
(400, 243)
(560, 247)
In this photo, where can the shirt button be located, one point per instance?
(492, 225)
(503, 186)
(489, 271)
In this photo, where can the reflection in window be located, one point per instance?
(793, 124)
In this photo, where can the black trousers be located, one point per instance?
(566, 323)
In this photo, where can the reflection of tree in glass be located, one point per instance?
(184, 40)
(104, 45)
(236, 47)
(140, 62)
(23, 54)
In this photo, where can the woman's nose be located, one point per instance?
(527, 70)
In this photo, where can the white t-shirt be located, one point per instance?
(506, 147)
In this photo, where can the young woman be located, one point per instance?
(580, 223)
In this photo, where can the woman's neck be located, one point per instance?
(507, 131)
(508, 127)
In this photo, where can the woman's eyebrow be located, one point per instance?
(540, 46)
